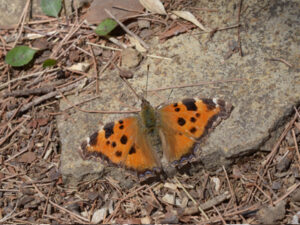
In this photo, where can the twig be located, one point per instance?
(118, 49)
(276, 146)
(126, 29)
(238, 31)
(193, 200)
(66, 38)
(208, 204)
(56, 205)
(43, 98)
(197, 84)
(95, 68)
(16, 155)
(35, 91)
(27, 76)
(290, 190)
(282, 60)
(10, 215)
(296, 146)
(230, 187)
(222, 219)
(13, 131)
(23, 17)
(48, 140)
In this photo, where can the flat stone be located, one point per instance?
(263, 101)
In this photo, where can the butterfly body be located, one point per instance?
(157, 139)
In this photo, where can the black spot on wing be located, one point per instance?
(181, 121)
(193, 130)
(113, 144)
(209, 103)
(93, 138)
(175, 105)
(108, 142)
(118, 153)
(124, 139)
(121, 121)
(177, 109)
(109, 129)
(198, 115)
(121, 127)
(132, 150)
(193, 119)
(190, 104)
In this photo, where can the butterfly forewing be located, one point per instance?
(185, 122)
(122, 143)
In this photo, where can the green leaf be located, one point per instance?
(49, 62)
(19, 56)
(51, 7)
(105, 27)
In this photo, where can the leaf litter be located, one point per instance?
(31, 187)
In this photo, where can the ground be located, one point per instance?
(246, 170)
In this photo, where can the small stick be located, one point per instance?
(223, 221)
(276, 146)
(126, 29)
(296, 146)
(118, 49)
(290, 190)
(95, 68)
(238, 31)
(34, 91)
(48, 139)
(282, 60)
(27, 76)
(22, 21)
(230, 187)
(56, 205)
(16, 155)
(193, 200)
(208, 204)
(13, 131)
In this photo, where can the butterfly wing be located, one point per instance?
(122, 143)
(183, 123)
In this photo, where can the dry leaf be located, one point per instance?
(82, 67)
(96, 11)
(27, 157)
(190, 17)
(154, 6)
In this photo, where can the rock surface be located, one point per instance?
(262, 102)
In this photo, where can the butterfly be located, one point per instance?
(156, 139)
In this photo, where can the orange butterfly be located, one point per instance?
(156, 139)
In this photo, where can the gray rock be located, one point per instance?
(262, 102)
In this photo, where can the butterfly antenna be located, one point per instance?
(170, 94)
(148, 66)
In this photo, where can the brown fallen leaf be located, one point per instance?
(27, 157)
(154, 6)
(121, 9)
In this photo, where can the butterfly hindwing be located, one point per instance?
(185, 122)
(122, 143)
